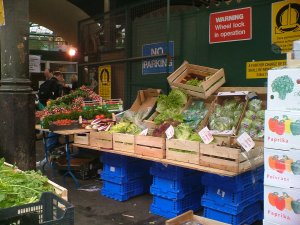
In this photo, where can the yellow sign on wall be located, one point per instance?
(104, 75)
(285, 24)
(259, 69)
(2, 15)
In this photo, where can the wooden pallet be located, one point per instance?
(189, 216)
(101, 139)
(82, 138)
(208, 86)
(183, 151)
(229, 159)
(150, 146)
(123, 142)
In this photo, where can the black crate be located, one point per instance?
(49, 210)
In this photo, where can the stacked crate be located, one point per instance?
(233, 200)
(282, 148)
(124, 177)
(175, 190)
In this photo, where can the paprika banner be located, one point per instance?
(285, 24)
(230, 25)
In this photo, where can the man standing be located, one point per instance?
(49, 89)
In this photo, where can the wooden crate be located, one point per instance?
(189, 216)
(101, 139)
(82, 138)
(150, 146)
(59, 190)
(213, 79)
(123, 142)
(183, 150)
(229, 159)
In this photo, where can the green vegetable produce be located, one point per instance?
(168, 115)
(255, 105)
(19, 188)
(174, 101)
(195, 137)
(296, 167)
(296, 206)
(283, 85)
(126, 128)
(194, 114)
(194, 82)
(183, 131)
(250, 114)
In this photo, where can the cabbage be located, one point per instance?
(183, 131)
(175, 100)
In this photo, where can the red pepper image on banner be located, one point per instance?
(280, 128)
(273, 122)
(280, 165)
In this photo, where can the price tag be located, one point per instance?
(170, 132)
(206, 135)
(246, 141)
(144, 132)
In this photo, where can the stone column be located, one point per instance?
(17, 120)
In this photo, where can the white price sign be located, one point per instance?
(246, 141)
(206, 135)
(170, 132)
(144, 132)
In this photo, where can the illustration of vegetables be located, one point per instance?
(287, 123)
(283, 85)
(295, 127)
(296, 167)
(280, 166)
(288, 163)
(273, 122)
(296, 206)
(280, 127)
(272, 161)
(288, 201)
(272, 197)
(280, 203)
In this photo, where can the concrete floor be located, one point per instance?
(93, 209)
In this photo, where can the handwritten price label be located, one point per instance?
(170, 132)
(206, 135)
(246, 141)
(144, 132)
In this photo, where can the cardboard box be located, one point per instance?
(211, 79)
(282, 168)
(289, 89)
(189, 216)
(145, 100)
(282, 205)
(282, 130)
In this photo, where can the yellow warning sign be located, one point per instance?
(285, 24)
(2, 16)
(259, 69)
(104, 75)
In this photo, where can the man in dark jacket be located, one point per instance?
(49, 89)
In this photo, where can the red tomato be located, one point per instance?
(101, 116)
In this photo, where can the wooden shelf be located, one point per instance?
(164, 161)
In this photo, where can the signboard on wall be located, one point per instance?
(259, 69)
(285, 24)
(230, 25)
(104, 77)
(34, 63)
(157, 65)
(2, 14)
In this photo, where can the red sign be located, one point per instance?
(231, 25)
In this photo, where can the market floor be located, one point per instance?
(91, 208)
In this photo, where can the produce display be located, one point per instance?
(253, 122)
(169, 106)
(71, 107)
(196, 80)
(195, 113)
(19, 188)
(226, 116)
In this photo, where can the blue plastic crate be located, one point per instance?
(233, 209)
(237, 183)
(176, 189)
(169, 171)
(123, 197)
(230, 197)
(169, 208)
(251, 214)
(124, 173)
(117, 160)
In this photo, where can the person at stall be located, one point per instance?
(64, 89)
(49, 89)
(74, 82)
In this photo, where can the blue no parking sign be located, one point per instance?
(157, 65)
